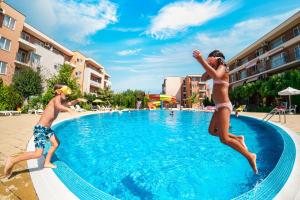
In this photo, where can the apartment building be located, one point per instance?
(172, 86)
(91, 76)
(21, 45)
(192, 85)
(11, 26)
(42, 53)
(185, 87)
(275, 52)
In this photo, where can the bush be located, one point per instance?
(9, 98)
(27, 82)
(86, 106)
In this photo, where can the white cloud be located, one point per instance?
(240, 35)
(82, 19)
(128, 52)
(69, 19)
(177, 17)
(120, 29)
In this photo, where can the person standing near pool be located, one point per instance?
(217, 70)
(43, 132)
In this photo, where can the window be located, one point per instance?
(245, 60)
(35, 58)
(9, 22)
(78, 73)
(25, 36)
(297, 52)
(243, 74)
(278, 60)
(4, 43)
(276, 42)
(3, 66)
(296, 31)
(260, 52)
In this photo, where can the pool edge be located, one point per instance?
(291, 188)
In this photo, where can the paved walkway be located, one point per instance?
(15, 133)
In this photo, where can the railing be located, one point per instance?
(95, 83)
(22, 58)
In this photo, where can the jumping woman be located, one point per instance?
(217, 70)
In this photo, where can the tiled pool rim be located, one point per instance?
(279, 184)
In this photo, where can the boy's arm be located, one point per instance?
(72, 103)
(214, 74)
(60, 106)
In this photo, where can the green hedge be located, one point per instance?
(265, 92)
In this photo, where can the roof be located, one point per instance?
(36, 33)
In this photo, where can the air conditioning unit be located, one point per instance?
(47, 45)
(2, 11)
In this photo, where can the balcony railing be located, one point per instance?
(95, 83)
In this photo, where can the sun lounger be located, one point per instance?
(292, 109)
(5, 113)
(79, 109)
(10, 112)
(241, 108)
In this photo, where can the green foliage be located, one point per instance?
(267, 89)
(27, 82)
(207, 102)
(9, 98)
(89, 97)
(129, 98)
(193, 99)
(86, 106)
(106, 95)
(63, 77)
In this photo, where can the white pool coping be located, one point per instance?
(49, 187)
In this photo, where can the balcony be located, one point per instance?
(95, 83)
(107, 82)
(24, 44)
(202, 89)
(22, 60)
(235, 68)
(278, 60)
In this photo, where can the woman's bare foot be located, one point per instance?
(252, 162)
(50, 165)
(8, 167)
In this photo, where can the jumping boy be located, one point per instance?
(42, 131)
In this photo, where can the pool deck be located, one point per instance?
(16, 131)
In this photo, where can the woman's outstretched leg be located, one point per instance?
(224, 114)
(213, 130)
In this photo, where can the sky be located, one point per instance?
(141, 42)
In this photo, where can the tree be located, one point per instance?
(27, 82)
(106, 95)
(129, 98)
(64, 76)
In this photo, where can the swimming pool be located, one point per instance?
(152, 155)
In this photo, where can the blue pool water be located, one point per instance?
(152, 155)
